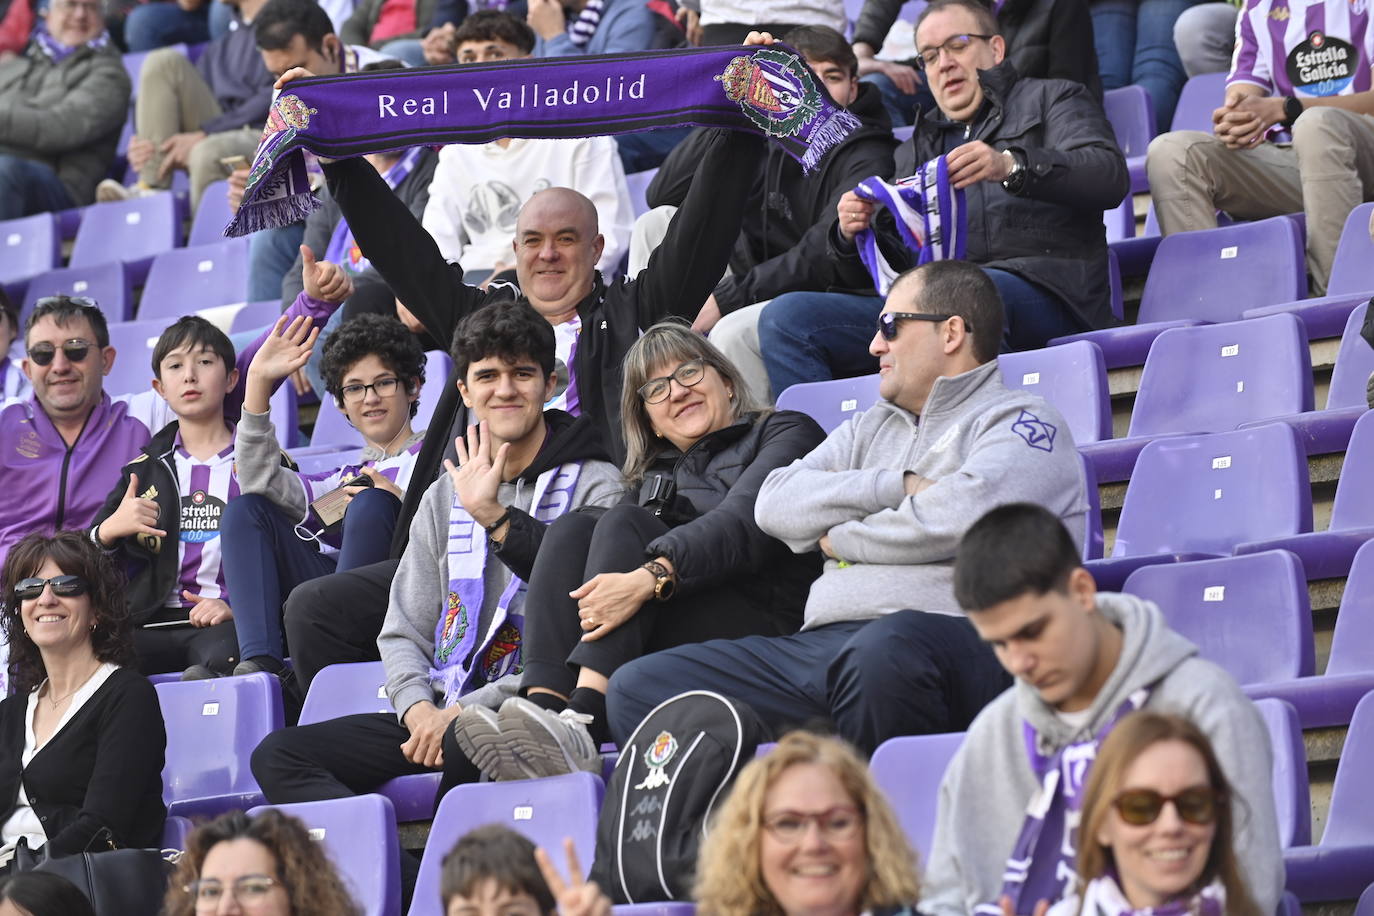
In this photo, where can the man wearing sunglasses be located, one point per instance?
(1082, 660)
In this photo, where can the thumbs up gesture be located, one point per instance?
(134, 515)
(324, 280)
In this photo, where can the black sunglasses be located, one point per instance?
(62, 586)
(887, 321)
(1197, 805)
(75, 349)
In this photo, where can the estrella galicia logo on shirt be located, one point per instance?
(1322, 65)
(1036, 432)
(200, 517)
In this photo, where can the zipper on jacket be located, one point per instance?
(62, 480)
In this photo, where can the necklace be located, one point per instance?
(53, 702)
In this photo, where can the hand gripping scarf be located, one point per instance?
(930, 216)
(765, 90)
(1103, 897)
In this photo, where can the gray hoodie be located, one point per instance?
(989, 782)
(984, 444)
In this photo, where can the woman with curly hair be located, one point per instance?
(806, 831)
(268, 864)
(81, 735)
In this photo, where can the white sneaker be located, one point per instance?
(478, 732)
(110, 190)
(549, 743)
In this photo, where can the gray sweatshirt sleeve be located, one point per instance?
(942, 886)
(600, 485)
(258, 457)
(1001, 467)
(406, 642)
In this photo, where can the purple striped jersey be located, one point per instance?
(1304, 47)
(206, 487)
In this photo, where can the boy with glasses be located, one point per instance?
(1009, 802)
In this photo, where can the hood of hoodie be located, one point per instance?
(568, 438)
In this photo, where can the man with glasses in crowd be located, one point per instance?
(886, 498)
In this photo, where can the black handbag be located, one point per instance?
(118, 882)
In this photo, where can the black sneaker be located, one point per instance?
(198, 673)
(261, 663)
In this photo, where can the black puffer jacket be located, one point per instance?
(717, 540)
(1051, 232)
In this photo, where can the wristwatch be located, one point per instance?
(1292, 110)
(1016, 178)
(665, 583)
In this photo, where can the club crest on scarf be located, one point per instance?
(454, 627)
(656, 758)
(503, 656)
(774, 90)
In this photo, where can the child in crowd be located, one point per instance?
(14, 386)
(494, 871)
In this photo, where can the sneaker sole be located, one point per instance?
(489, 750)
(536, 745)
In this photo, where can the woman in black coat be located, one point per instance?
(681, 561)
(81, 735)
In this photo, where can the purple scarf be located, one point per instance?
(931, 219)
(1103, 897)
(342, 249)
(765, 90)
(58, 52)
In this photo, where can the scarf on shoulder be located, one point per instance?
(931, 220)
(462, 661)
(764, 90)
(57, 52)
(1103, 897)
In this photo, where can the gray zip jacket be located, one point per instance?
(989, 782)
(984, 444)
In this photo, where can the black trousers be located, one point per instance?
(336, 618)
(164, 649)
(577, 547)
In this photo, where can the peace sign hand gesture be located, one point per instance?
(575, 896)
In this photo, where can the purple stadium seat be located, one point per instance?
(212, 728)
(29, 246)
(175, 832)
(1328, 554)
(1341, 865)
(1329, 699)
(314, 461)
(133, 231)
(346, 690)
(1289, 905)
(903, 133)
(133, 342)
(1249, 614)
(545, 810)
(1201, 95)
(108, 284)
(359, 836)
(438, 368)
(1209, 379)
(332, 428)
(185, 280)
(255, 315)
(832, 402)
(283, 412)
(1134, 252)
(909, 771)
(1365, 906)
(1120, 221)
(1093, 538)
(1208, 276)
(1328, 430)
(638, 183)
(1196, 497)
(1132, 116)
(1292, 797)
(212, 216)
(1073, 378)
(654, 909)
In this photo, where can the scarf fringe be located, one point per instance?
(271, 214)
(827, 135)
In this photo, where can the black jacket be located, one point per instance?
(101, 772)
(1051, 232)
(716, 538)
(1046, 39)
(152, 563)
(680, 275)
(784, 203)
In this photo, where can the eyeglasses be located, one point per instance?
(839, 823)
(62, 586)
(953, 44)
(250, 891)
(687, 375)
(1140, 807)
(385, 388)
(887, 321)
(75, 349)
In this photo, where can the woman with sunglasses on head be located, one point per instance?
(81, 735)
(265, 865)
(1156, 827)
(805, 830)
(681, 561)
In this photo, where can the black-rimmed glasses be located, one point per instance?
(62, 586)
(953, 44)
(888, 322)
(385, 388)
(688, 374)
(76, 350)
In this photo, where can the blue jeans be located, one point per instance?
(647, 149)
(264, 560)
(271, 253)
(162, 23)
(407, 50)
(221, 18)
(28, 187)
(1033, 313)
(1134, 40)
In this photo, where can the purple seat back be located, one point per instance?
(345, 690)
(1365, 906)
(212, 728)
(1250, 614)
(133, 369)
(909, 771)
(545, 810)
(1201, 95)
(1072, 377)
(1205, 494)
(133, 231)
(359, 837)
(1292, 798)
(1350, 819)
(654, 909)
(333, 428)
(1350, 271)
(1132, 116)
(29, 245)
(186, 280)
(108, 284)
(175, 831)
(1216, 274)
(438, 368)
(284, 415)
(212, 215)
(832, 402)
(638, 184)
(1352, 644)
(1354, 505)
(255, 315)
(1354, 363)
(1093, 537)
(1120, 222)
(1212, 378)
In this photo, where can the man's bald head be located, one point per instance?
(557, 245)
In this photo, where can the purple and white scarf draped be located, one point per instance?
(930, 215)
(459, 656)
(342, 248)
(58, 52)
(581, 29)
(1041, 866)
(1103, 897)
(763, 90)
